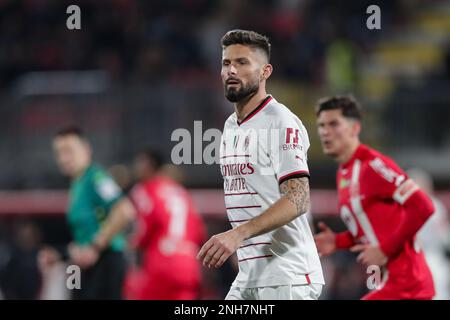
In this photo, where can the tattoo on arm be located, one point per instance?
(297, 191)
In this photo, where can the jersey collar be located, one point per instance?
(356, 155)
(256, 110)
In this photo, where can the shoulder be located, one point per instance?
(230, 120)
(98, 171)
(281, 115)
(103, 183)
(383, 166)
(160, 184)
(94, 173)
(98, 174)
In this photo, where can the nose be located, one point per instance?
(323, 132)
(232, 70)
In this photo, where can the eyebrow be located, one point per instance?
(236, 59)
(327, 122)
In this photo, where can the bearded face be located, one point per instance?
(236, 90)
(241, 71)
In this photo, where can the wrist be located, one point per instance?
(242, 232)
(96, 247)
(99, 243)
(343, 240)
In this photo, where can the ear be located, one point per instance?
(266, 71)
(356, 128)
(88, 147)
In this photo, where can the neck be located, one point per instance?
(348, 154)
(149, 175)
(247, 105)
(81, 171)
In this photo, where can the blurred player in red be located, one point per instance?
(382, 208)
(169, 233)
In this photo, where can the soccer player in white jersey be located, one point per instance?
(263, 161)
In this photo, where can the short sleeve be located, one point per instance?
(106, 189)
(289, 149)
(388, 181)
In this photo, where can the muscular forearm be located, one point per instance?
(119, 217)
(293, 203)
(280, 213)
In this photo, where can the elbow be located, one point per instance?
(303, 208)
(419, 203)
(128, 210)
(430, 209)
(131, 213)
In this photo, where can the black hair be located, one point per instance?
(247, 38)
(70, 130)
(153, 156)
(348, 105)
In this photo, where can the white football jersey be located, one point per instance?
(267, 148)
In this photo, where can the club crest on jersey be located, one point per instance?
(344, 183)
(246, 143)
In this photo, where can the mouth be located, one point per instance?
(326, 143)
(231, 82)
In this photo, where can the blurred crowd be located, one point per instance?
(150, 41)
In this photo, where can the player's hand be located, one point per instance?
(325, 240)
(46, 258)
(370, 255)
(219, 248)
(83, 256)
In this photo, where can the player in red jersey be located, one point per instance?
(169, 233)
(381, 207)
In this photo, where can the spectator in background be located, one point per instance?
(434, 237)
(97, 215)
(19, 277)
(169, 233)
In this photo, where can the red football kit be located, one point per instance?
(381, 206)
(170, 232)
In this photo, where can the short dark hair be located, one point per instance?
(155, 158)
(348, 105)
(247, 38)
(69, 131)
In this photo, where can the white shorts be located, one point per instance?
(286, 292)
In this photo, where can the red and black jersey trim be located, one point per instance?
(292, 175)
(256, 110)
